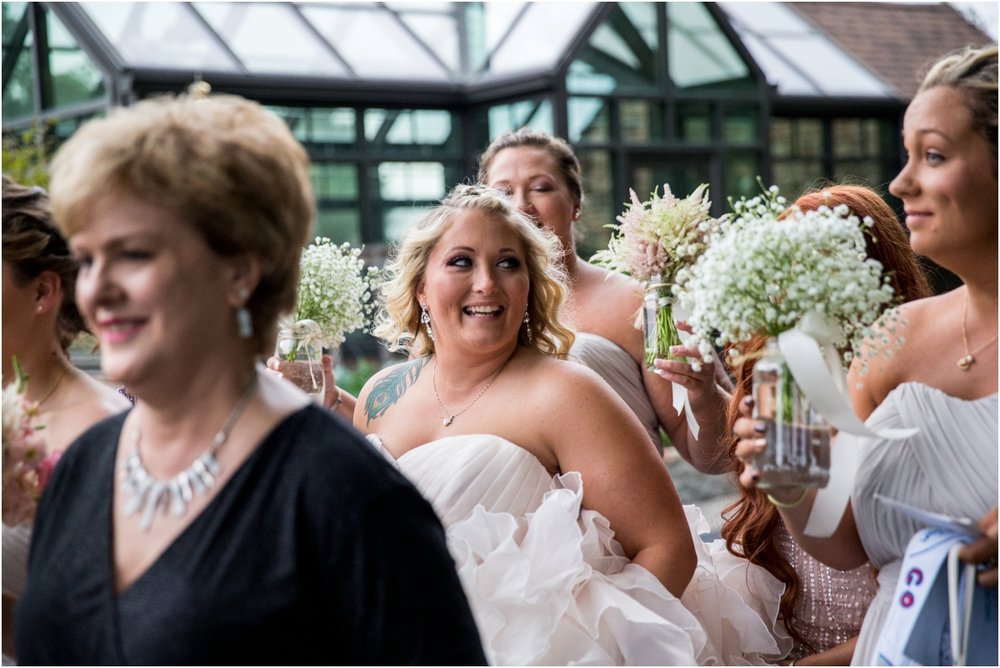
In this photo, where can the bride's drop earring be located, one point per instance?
(527, 325)
(425, 320)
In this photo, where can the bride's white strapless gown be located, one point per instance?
(549, 584)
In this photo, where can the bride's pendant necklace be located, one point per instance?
(450, 417)
(175, 494)
(966, 360)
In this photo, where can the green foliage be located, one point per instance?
(352, 380)
(26, 155)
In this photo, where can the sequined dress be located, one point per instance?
(830, 604)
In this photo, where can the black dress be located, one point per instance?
(315, 552)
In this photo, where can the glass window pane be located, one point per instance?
(18, 96)
(621, 54)
(781, 137)
(289, 48)
(409, 181)
(808, 138)
(795, 177)
(599, 207)
(339, 224)
(694, 122)
(161, 35)
(847, 138)
(584, 78)
(12, 14)
(374, 43)
(535, 114)
(540, 36)
(698, 51)
(641, 121)
(438, 32)
(396, 220)
(742, 168)
(75, 78)
(335, 181)
(294, 117)
(409, 127)
(739, 125)
(865, 172)
(332, 126)
(588, 119)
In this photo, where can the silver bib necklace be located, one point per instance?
(175, 494)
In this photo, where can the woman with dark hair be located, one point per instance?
(40, 321)
(822, 607)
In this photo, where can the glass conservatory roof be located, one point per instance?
(413, 41)
(450, 46)
(797, 56)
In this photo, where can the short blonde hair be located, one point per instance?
(223, 163)
(398, 319)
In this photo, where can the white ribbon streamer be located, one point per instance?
(821, 377)
(681, 401)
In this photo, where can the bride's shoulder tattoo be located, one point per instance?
(388, 389)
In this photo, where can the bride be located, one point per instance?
(568, 534)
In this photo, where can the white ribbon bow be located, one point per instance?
(812, 358)
(304, 335)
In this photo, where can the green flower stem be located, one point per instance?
(666, 336)
(787, 395)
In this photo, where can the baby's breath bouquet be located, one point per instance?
(334, 299)
(804, 280)
(654, 241)
(768, 267)
(335, 290)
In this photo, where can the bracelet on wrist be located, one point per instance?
(789, 504)
(338, 401)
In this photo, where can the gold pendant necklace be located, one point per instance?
(965, 361)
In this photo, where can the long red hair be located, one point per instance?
(751, 520)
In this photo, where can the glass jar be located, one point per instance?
(798, 437)
(658, 321)
(300, 354)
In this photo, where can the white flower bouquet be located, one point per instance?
(804, 280)
(334, 299)
(768, 267)
(335, 294)
(27, 464)
(655, 240)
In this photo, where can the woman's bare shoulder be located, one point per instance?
(99, 400)
(608, 304)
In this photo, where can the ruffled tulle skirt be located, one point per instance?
(555, 588)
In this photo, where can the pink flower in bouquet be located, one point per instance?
(659, 236)
(26, 463)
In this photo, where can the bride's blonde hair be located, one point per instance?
(398, 319)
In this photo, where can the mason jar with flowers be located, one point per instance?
(334, 299)
(803, 280)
